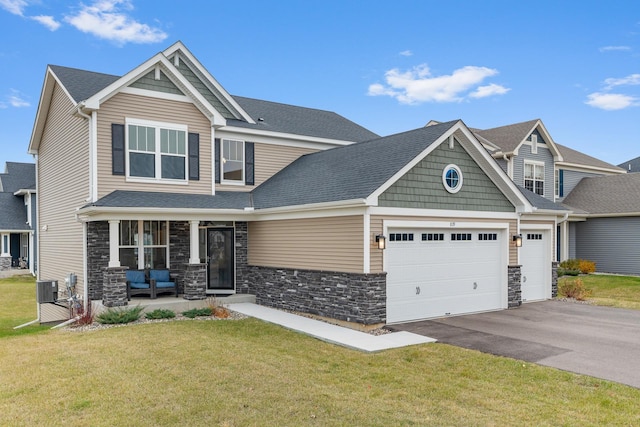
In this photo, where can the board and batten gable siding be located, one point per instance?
(543, 156)
(320, 244)
(570, 179)
(269, 159)
(612, 243)
(163, 84)
(123, 106)
(422, 186)
(377, 227)
(63, 186)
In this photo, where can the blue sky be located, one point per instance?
(389, 66)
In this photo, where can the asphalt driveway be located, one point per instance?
(602, 342)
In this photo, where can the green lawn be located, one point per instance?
(611, 290)
(250, 373)
(18, 305)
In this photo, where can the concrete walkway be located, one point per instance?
(331, 333)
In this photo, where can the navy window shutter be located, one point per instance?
(194, 156)
(249, 160)
(216, 168)
(561, 183)
(117, 149)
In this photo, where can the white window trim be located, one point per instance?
(556, 183)
(140, 244)
(524, 175)
(444, 178)
(222, 159)
(158, 153)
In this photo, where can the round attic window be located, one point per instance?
(452, 178)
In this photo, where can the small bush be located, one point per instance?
(587, 267)
(86, 317)
(570, 264)
(120, 315)
(218, 309)
(160, 313)
(574, 289)
(196, 312)
(565, 272)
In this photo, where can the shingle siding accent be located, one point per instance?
(595, 242)
(149, 82)
(422, 186)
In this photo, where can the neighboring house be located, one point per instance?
(301, 207)
(631, 166)
(601, 197)
(18, 217)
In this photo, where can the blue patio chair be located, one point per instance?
(162, 282)
(137, 284)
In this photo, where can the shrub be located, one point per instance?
(120, 315)
(570, 264)
(86, 317)
(587, 267)
(565, 272)
(218, 309)
(160, 313)
(195, 312)
(574, 289)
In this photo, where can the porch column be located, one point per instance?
(114, 243)
(194, 243)
(5, 251)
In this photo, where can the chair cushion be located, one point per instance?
(165, 285)
(135, 276)
(160, 275)
(139, 285)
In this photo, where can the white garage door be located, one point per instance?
(536, 265)
(435, 273)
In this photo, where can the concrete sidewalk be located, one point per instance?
(331, 333)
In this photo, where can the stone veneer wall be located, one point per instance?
(514, 298)
(554, 279)
(241, 255)
(179, 250)
(5, 263)
(97, 257)
(195, 278)
(115, 287)
(352, 297)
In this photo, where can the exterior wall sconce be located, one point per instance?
(518, 239)
(381, 241)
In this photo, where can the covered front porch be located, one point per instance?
(203, 257)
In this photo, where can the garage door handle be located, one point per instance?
(524, 279)
(417, 290)
(475, 285)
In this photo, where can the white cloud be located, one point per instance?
(406, 53)
(611, 101)
(489, 90)
(14, 6)
(418, 85)
(15, 100)
(47, 21)
(107, 20)
(630, 80)
(614, 48)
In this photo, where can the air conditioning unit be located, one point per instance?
(46, 291)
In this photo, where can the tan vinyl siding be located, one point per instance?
(63, 186)
(377, 228)
(123, 106)
(269, 160)
(327, 244)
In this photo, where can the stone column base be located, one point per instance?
(114, 287)
(195, 286)
(515, 286)
(5, 263)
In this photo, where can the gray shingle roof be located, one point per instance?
(18, 176)
(570, 155)
(142, 199)
(540, 202)
(13, 213)
(612, 194)
(507, 137)
(351, 172)
(82, 84)
(632, 165)
(278, 117)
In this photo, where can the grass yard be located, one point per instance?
(250, 373)
(611, 290)
(18, 306)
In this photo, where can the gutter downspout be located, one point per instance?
(91, 153)
(92, 174)
(564, 234)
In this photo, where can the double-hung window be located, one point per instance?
(534, 177)
(156, 151)
(232, 161)
(143, 244)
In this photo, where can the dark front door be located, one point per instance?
(220, 259)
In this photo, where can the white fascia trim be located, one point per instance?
(314, 207)
(613, 215)
(525, 226)
(24, 192)
(155, 94)
(445, 225)
(437, 213)
(551, 212)
(547, 138)
(95, 213)
(548, 217)
(318, 213)
(587, 169)
(285, 136)
(182, 49)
